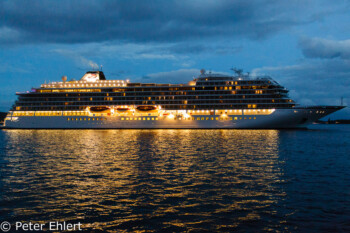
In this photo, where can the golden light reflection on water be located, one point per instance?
(145, 179)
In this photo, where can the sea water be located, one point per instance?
(178, 180)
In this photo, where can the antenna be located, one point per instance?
(237, 71)
(341, 101)
(101, 67)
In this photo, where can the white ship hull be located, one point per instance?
(279, 118)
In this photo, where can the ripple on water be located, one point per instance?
(178, 180)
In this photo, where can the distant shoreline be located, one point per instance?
(2, 117)
(330, 122)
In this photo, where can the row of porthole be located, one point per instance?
(156, 118)
(217, 118)
(140, 118)
(86, 119)
(190, 118)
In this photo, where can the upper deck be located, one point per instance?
(207, 91)
(96, 79)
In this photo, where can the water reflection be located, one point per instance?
(174, 180)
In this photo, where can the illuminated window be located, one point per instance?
(148, 118)
(127, 118)
(68, 119)
(212, 118)
(156, 118)
(84, 119)
(76, 119)
(144, 118)
(254, 118)
(217, 118)
(230, 118)
(235, 118)
(152, 118)
(122, 118)
(88, 119)
(198, 118)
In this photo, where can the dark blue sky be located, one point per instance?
(303, 44)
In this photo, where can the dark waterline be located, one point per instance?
(179, 180)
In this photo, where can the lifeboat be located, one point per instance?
(100, 109)
(120, 109)
(146, 108)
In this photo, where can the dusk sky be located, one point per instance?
(302, 44)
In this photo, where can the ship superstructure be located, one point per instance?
(208, 101)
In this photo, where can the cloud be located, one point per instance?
(200, 48)
(124, 51)
(84, 21)
(268, 69)
(9, 34)
(324, 48)
(77, 58)
(176, 76)
(5, 68)
(180, 54)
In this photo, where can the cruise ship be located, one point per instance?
(209, 101)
